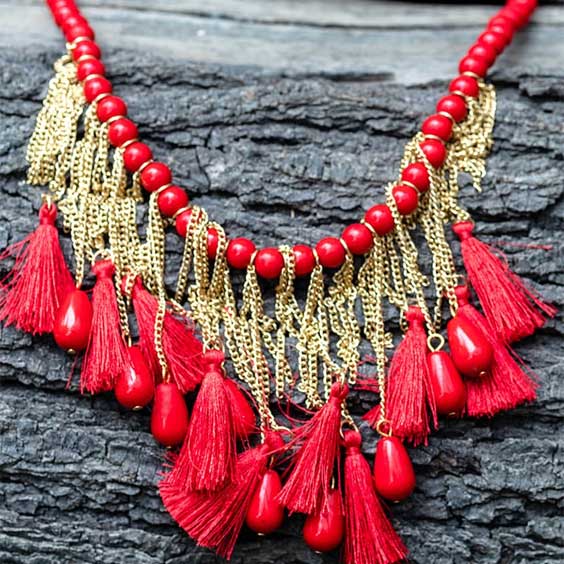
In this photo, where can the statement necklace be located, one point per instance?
(223, 475)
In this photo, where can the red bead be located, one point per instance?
(483, 52)
(269, 263)
(155, 175)
(515, 15)
(467, 85)
(239, 253)
(331, 252)
(88, 67)
(493, 39)
(380, 218)
(470, 349)
(213, 241)
(64, 12)
(121, 131)
(135, 387)
(86, 48)
(394, 478)
(244, 417)
(448, 388)
(73, 21)
(324, 531)
(169, 418)
(416, 174)
(182, 222)
(71, 329)
(501, 20)
(136, 155)
(475, 65)
(358, 238)
(437, 125)
(109, 107)
(171, 199)
(406, 198)
(265, 514)
(304, 260)
(79, 31)
(95, 86)
(435, 152)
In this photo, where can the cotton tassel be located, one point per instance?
(312, 466)
(106, 354)
(409, 390)
(214, 520)
(514, 310)
(369, 535)
(207, 459)
(506, 385)
(183, 351)
(30, 295)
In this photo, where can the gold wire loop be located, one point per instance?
(435, 342)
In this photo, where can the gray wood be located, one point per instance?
(285, 120)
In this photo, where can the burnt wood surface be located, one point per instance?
(285, 120)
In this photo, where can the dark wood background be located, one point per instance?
(285, 119)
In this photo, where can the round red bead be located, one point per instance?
(154, 176)
(304, 260)
(120, 131)
(182, 222)
(88, 48)
(213, 241)
(71, 328)
(475, 65)
(135, 387)
(406, 199)
(484, 52)
(265, 514)
(169, 417)
(239, 253)
(435, 152)
(171, 199)
(74, 20)
(95, 86)
(465, 84)
(437, 125)
(79, 31)
(324, 531)
(394, 478)
(63, 12)
(380, 218)
(448, 388)
(331, 252)
(136, 155)
(358, 238)
(109, 107)
(88, 67)
(269, 263)
(493, 39)
(416, 174)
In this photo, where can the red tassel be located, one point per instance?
(106, 354)
(182, 349)
(309, 483)
(214, 520)
(409, 389)
(207, 459)
(369, 535)
(506, 385)
(30, 295)
(514, 310)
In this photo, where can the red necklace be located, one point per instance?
(217, 480)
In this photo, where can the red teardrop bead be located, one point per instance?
(448, 387)
(72, 322)
(135, 387)
(324, 531)
(394, 477)
(244, 416)
(470, 350)
(169, 418)
(265, 514)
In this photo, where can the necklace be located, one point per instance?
(97, 169)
